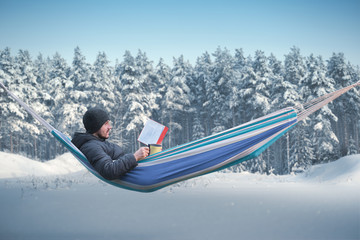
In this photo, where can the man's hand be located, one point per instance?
(142, 153)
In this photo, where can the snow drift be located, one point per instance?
(344, 170)
(12, 166)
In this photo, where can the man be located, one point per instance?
(107, 158)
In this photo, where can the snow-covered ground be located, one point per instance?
(61, 200)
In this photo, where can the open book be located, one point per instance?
(152, 133)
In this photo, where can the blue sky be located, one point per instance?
(169, 29)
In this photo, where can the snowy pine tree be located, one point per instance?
(13, 115)
(136, 108)
(59, 86)
(150, 82)
(78, 95)
(218, 90)
(295, 71)
(235, 100)
(103, 83)
(256, 95)
(27, 82)
(175, 101)
(202, 77)
(283, 94)
(314, 85)
(161, 78)
(7, 73)
(339, 71)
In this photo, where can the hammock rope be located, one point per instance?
(205, 155)
(28, 109)
(308, 108)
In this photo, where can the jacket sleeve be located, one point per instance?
(107, 167)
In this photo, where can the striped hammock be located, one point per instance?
(205, 155)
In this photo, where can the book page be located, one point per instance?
(152, 133)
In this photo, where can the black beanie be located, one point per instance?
(93, 119)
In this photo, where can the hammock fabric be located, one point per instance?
(205, 155)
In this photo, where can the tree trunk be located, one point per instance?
(346, 137)
(170, 130)
(288, 151)
(11, 143)
(35, 149)
(357, 136)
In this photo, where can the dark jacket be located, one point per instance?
(107, 158)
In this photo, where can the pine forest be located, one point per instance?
(220, 91)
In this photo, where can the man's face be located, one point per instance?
(104, 131)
